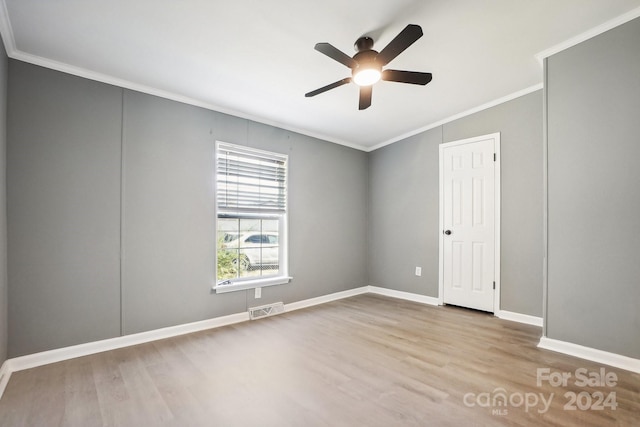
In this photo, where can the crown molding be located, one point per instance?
(138, 87)
(604, 27)
(6, 31)
(449, 119)
(13, 52)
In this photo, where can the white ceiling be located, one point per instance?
(255, 59)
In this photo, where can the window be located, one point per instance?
(251, 205)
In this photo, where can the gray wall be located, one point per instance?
(63, 199)
(520, 125)
(168, 216)
(593, 111)
(110, 206)
(403, 229)
(4, 313)
(403, 212)
(97, 172)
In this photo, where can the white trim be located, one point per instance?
(469, 112)
(497, 204)
(5, 374)
(325, 298)
(9, 41)
(440, 225)
(251, 284)
(57, 355)
(250, 151)
(518, 317)
(281, 276)
(497, 220)
(593, 354)
(423, 299)
(138, 87)
(5, 29)
(14, 53)
(606, 26)
(545, 197)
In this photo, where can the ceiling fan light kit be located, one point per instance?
(366, 76)
(366, 65)
(368, 70)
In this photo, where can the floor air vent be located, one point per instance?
(266, 310)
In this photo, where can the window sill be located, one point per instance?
(252, 284)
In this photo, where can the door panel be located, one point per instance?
(468, 212)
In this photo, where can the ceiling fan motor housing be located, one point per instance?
(363, 43)
(366, 60)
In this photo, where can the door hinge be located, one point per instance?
(494, 285)
(494, 157)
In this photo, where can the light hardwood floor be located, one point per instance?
(362, 361)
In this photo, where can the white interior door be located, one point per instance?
(468, 220)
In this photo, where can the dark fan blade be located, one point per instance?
(365, 97)
(412, 77)
(406, 38)
(328, 87)
(336, 54)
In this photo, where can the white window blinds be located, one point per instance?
(250, 180)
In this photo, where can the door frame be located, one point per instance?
(496, 147)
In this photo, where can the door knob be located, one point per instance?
(447, 232)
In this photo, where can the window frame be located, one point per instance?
(282, 275)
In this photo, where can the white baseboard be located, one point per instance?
(588, 353)
(403, 295)
(325, 298)
(51, 356)
(517, 317)
(4, 377)
(502, 314)
(57, 355)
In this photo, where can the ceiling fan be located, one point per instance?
(366, 65)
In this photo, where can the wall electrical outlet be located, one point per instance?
(418, 271)
(258, 293)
